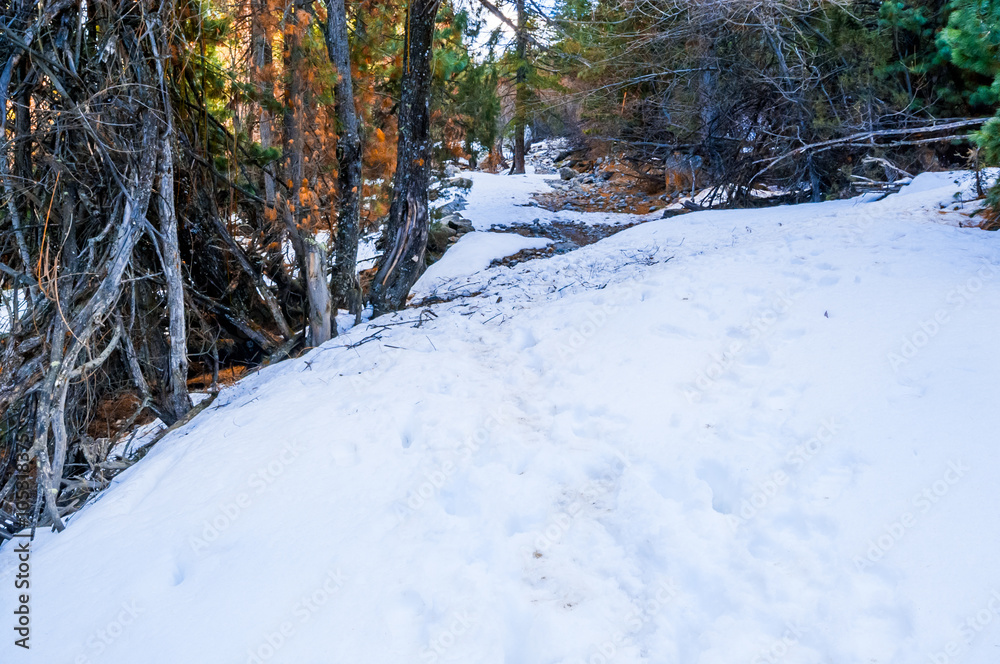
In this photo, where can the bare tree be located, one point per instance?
(113, 246)
(89, 170)
(178, 402)
(311, 255)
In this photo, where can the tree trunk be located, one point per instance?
(320, 313)
(817, 191)
(405, 239)
(178, 402)
(521, 90)
(22, 172)
(260, 60)
(346, 286)
(707, 94)
(310, 254)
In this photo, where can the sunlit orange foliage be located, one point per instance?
(377, 28)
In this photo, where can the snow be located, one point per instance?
(732, 436)
(472, 254)
(368, 252)
(7, 307)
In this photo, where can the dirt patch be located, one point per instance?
(590, 198)
(604, 185)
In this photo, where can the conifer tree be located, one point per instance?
(972, 42)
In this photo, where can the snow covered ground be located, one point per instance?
(747, 436)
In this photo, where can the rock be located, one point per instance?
(456, 205)
(566, 154)
(451, 170)
(567, 173)
(460, 183)
(439, 236)
(458, 223)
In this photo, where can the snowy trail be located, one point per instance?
(749, 436)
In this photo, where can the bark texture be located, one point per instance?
(345, 284)
(310, 254)
(521, 90)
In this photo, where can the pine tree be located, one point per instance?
(972, 42)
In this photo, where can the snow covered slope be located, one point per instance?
(748, 436)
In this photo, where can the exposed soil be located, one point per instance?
(622, 196)
(604, 184)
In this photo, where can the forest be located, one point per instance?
(189, 186)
